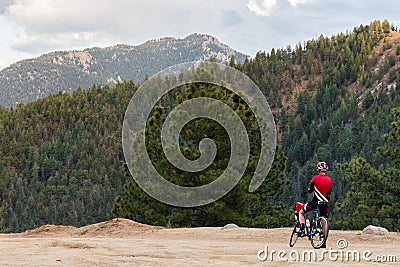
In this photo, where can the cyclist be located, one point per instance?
(321, 186)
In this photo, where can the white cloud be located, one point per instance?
(4, 5)
(36, 44)
(50, 16)
(261, 7)
(56, 23)
(265, 8)
(295, 2)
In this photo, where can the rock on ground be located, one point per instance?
(230, 226)
(375, 230)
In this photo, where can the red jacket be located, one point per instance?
(321, 185)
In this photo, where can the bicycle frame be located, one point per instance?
(309, 228)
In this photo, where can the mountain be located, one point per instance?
(31, 79)
(61, 158)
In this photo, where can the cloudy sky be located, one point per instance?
(29, 28)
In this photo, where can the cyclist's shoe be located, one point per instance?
(301, 233)
(301, 230)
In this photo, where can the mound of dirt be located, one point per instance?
(113, 228)
(49, 230)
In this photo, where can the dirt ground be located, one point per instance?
(121, 242)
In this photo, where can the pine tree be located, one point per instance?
(259, 208)
(386, 26)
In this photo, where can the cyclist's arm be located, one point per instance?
(328, 195)
(311, 187)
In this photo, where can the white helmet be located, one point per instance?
(322, 166)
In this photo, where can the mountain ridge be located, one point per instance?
(34, 78)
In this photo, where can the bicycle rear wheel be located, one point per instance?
(295, 234)
(318, 237)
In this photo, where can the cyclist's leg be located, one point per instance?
(302, 214)
(307, 207)
(324, 211)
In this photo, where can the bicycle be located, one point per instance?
(313, 229)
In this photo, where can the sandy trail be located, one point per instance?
(126, 243)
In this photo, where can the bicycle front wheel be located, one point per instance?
(295, 234)
(319, 236)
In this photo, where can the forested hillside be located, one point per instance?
(62, 162)
(332, 99)
(61, 157)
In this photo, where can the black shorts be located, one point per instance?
(313, 204)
